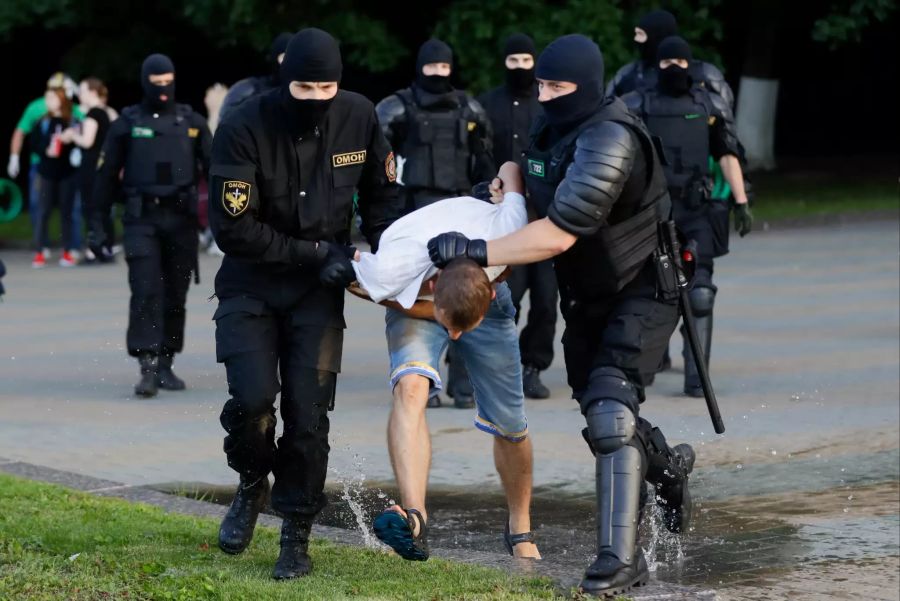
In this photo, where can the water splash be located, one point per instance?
(353, 488)
(662, 548)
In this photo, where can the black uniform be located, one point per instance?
(276, 195)
(691, 125)
(593, 172)
(162, 147)
(443, 134)
(513, 109)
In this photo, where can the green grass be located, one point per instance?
(56, 543)
(781, 197)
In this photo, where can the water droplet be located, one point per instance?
(850, 498)
(774, 452)
(739, 466)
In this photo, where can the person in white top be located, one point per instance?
(474, 307)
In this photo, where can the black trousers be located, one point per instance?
(92, 221)
(54, 192)
(536, 339)
(161, 251)
(267, 352)
(629, 331)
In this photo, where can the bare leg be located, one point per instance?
(409, 442)
(514, 464)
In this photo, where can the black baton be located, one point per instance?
(673, 247)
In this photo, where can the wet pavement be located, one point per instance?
(798, 499)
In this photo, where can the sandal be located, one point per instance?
(511, 540)
(396, 531)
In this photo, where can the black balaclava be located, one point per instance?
(658, 25)
(278, 46)
(434, 51)
(311, 55)
(577, 59)
(519, 81)
(158, 98)
(673, 80)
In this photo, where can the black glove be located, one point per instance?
(336, 269)
(743, 219)
(451, 245)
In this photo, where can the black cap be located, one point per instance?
(518, 43)
(156, 64)
(658, 25)
(433, 51)
(312, 55)
(574, 58)
(279, 45)
(674, 47)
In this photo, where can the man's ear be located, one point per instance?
(493, 293)
(431, 284)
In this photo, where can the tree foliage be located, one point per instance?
(847, 20)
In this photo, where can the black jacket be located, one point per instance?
(511, 116)
(274, 194)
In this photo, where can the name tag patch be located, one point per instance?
(141, 132)
(536, 168)
(235, 197)
(357, 157)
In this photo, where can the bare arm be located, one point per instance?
(88, 134)
(16, 142)
(731, 170)
(421, 309)
(537, 241)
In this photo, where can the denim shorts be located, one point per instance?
(491, 355)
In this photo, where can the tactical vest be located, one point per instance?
(436, 147)
(682, 124)
(600, 265)
(161, 157)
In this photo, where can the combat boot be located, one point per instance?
(236, 530)
(146, 387)
(673, 495)
(294, 561)
(532, 385)
(620, 563)
(165, 377)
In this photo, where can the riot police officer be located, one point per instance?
(284, 172)
(690, 123)
(512, 108)
(444, 138)
(251, 86)
(162, 146)
(641, 74)
(596, 184)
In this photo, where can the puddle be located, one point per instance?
(764, 540)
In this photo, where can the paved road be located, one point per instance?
(803, 485)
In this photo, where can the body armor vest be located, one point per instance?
(682, 124)
(436, 147)
(600, 265)
(161, 159)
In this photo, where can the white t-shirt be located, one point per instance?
(397, 271)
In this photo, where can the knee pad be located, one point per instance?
(610, 426)
(702, 300)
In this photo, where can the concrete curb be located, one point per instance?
(655, 591)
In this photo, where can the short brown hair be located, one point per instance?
(94, 84)
(463, 294)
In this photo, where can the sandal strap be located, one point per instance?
(524, 537)
(414, 513)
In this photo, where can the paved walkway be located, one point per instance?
(805, 365)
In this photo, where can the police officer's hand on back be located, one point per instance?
(336, 269)
(445, 247)
(743, 219)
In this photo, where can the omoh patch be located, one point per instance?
(357, 157)
(235, 197)
(390, 167)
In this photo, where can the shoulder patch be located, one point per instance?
(471, 125)
(711, 120)
(390, 167)
(193, 132)
(235, 197)
(357, 157)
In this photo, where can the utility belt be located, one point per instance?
(138, 205)
(694, 195)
